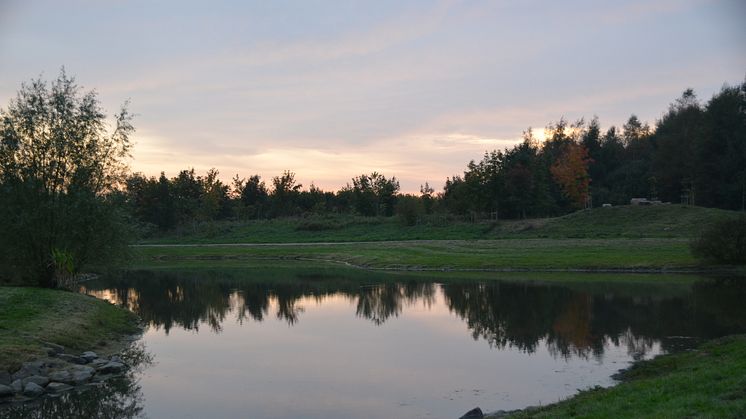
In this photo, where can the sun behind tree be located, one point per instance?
(60, 167)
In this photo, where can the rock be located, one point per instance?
(21, 374)
(111, 367)
(39, 380)
(58, 387)
(32, 390)
(89, 356)
(72, 358)
(5, 378)
(475, 413)
(61, 376)
(116, 358)
(80, 377)
(98, 362)
(5, 391)
(17, 386)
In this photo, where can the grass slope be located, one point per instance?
(528, 254)
(29, 316)
(708, 382)
(664, 221)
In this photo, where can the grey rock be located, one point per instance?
(21, 374)
(5, 378)
(80, 377)
(111, 367)
(475, 413)
(61, 376)
(98, 362)
(84, 368)
(72, 358)
(32, 390)
(5, 391)
(89, 356)
(17, 386)
(39, 380)
(116, 358)
(58, 387)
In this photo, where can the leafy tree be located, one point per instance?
(59, 161)
(570, 171)
(374, 194)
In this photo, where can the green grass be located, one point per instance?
(526, 254)
(709, 382)
(30, 316)
(664, 221)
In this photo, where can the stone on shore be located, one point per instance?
(111, 367)
(5, 391)
(58, 387)
(475, 413)
(89, 356)
(33, 390)
(61, 376)
(39, 380)
(17, 386)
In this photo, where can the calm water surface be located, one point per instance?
(323, 343)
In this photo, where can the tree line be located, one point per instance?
(67, 199)
(694, 154)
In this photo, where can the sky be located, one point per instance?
(333, 89)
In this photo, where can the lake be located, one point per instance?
(324, 342)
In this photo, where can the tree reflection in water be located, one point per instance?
(117, 398)
(570, 319)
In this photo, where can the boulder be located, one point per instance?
(61, 376)
(17, 386)
(475, 413)
(5, 391)
(81, 376)
(98, 362)
(89, 356)
(111, 368)
(116, 358)
(33, 390)
(39, 380)
(58, 387)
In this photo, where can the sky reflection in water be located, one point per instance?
(321, 345)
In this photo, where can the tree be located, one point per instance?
(570, 171)
(59, 162)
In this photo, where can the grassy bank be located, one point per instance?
(529, 254)
(664, 221)
(708, 382)
(30, 316)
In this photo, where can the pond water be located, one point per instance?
(329, 343)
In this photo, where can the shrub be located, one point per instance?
(409, 209)
(724, 241)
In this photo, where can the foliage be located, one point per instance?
(695, 154)
(723, 241)
(409, 209)
(570, 171)
(59, 168)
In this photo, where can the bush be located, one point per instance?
(724, 242)
(409, 209)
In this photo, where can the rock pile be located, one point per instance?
(58, 373)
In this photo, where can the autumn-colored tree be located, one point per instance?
(570, 171)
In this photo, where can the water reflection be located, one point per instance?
(571, 319)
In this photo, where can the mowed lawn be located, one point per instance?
(508, 254)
